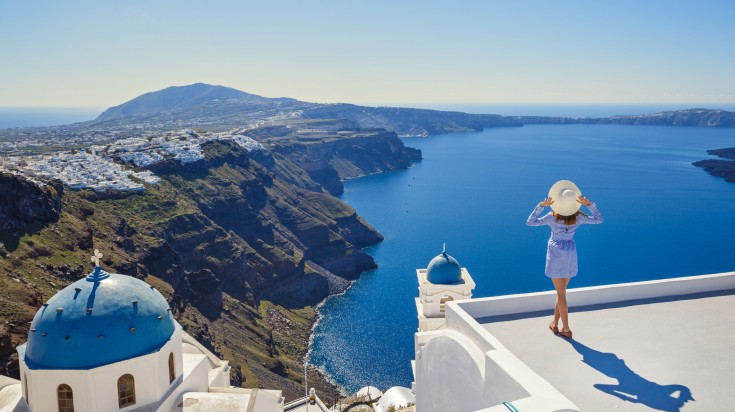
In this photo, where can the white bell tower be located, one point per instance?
(442, 281)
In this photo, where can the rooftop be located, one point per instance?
(660, 345)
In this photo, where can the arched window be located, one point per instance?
(126, 390)
(171, 368)
(66, 398)
(443, 302)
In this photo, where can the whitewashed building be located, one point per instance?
(108, 342)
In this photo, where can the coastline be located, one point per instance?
(307, 358)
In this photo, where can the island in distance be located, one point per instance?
(225, 202)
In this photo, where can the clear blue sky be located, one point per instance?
(104, 52)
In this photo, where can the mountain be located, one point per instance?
(177, 98)
(220, 108)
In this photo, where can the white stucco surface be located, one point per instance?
(638, 356)
(11, 396)
(232, 400)
(396, 397)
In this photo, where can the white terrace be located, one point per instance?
(662, 345)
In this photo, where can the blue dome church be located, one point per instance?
(109, 342)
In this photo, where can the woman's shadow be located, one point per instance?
(632, 387)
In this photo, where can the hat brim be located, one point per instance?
(565, 193)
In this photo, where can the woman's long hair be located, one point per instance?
(568, 220)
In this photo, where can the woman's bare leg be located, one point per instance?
(561, 309)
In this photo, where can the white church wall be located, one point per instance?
(449, 375)
(96, 389)
(195, 369)
(42, 386)
(145, 372)
(220, 377)
(173, 346)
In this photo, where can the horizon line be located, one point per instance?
(416, 104)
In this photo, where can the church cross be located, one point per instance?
(96, 257)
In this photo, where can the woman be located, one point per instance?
(565, 200)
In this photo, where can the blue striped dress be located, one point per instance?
(561, 254)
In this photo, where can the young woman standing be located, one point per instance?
(565, 200)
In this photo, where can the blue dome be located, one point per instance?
(101, 319)
(444, 270)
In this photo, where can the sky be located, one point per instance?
(102, 53)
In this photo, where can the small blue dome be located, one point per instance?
(444, 270)
(101, 319)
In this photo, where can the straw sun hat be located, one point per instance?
(565, 193)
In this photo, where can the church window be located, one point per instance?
(65, 397)
(126, 390)
(171, 368)
(443, 301)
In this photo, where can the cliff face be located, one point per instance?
(23, 202)
(688, 117)
(241, 253)
(728, 153)
(409, 122)
(330, 162)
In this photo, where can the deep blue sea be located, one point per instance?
(474, 191)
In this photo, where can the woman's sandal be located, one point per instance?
(554, 329)
(567, 334)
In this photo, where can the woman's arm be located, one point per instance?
(594, 218)
(533, 219)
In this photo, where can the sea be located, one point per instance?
(473, 192)
(11, 117)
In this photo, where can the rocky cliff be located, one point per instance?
(409, 122)
(330, 162)
(724, 167)
(24, 202)
(241, 247)
(688, 117)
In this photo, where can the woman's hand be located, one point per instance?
(546, 202)
(584, 201)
